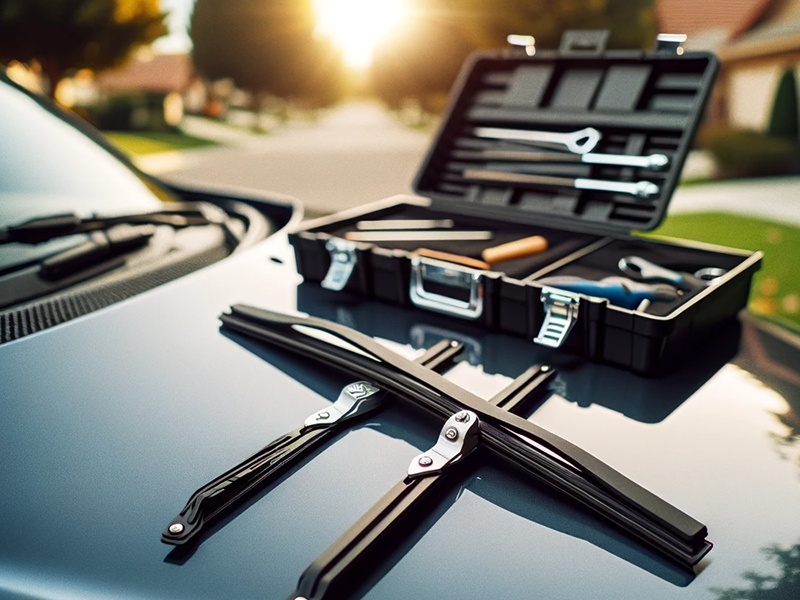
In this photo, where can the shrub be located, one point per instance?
(745, 153)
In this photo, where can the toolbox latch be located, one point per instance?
(560, 314)
(584, 42)
(343, 261)
(446, 274)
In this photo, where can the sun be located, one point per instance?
(357, 26)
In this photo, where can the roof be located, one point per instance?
(155, 73)
(769, 39)
(728, 18)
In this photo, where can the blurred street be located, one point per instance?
(358, 153)
(354, 154)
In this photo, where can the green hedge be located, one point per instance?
(743, 153)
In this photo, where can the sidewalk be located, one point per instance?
(774, 198)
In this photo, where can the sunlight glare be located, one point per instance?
(357, 26)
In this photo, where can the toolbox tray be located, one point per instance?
(642, 103)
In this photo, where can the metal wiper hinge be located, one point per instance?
(356, 399)
(459, 437)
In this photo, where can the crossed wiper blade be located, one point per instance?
(548, 457)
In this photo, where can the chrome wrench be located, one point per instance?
(645, 270)
(640, 189)
(652, 161)
(579, 142)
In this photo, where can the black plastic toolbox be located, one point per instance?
(642, 104)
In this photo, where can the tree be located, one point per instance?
(265, 46)
(783, 121)
(632, 23)
(66, 35)
(423, 56)
(420, 60)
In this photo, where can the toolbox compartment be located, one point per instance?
(641, 104)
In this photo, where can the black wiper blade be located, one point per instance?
(550, 458)
(42, 229)
(100, 247)
(230, 489)
(325, 576)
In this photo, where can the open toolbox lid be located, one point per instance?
(640, 103)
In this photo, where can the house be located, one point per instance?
(149, 91)
(757, 41)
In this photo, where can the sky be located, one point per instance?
(178, 21)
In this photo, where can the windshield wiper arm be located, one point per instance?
(42, 229)
(457, 440)
(228, 490)
(548, 457)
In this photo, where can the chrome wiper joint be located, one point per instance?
(356, 399)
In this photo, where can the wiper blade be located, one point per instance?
(457, 440)
(228, 490)
(545, 455)
(179, 215)
(99, 247)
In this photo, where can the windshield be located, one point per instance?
(48, 166)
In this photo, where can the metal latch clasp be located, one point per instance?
(447, 274)
(560, 315)
(343, 261)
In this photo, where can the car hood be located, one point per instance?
(112, 420)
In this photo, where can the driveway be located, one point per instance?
(356, 153)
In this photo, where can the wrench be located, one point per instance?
(653, 161)
(617, 290)
(648, 271)
(641, 189)
(579, 142)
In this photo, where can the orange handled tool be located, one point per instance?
(517, 249)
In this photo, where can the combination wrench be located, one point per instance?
(579, 142)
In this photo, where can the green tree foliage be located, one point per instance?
(422, 57)
(65, 35)
(783, 121)
(265, 46)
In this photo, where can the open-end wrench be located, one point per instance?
(652, 161)
(579, 142)
(640, 189)
(647, 271)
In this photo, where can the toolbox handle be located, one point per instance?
(424, 269)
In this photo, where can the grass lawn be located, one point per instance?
(776, 287)
(143, 143)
